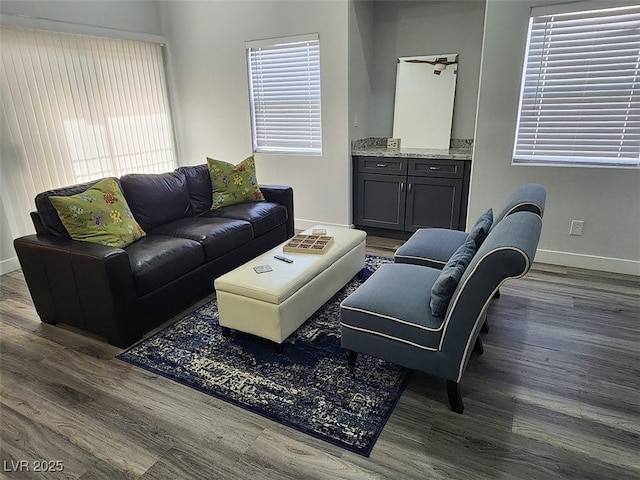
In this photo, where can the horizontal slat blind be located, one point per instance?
(77, 108)
(580, 98)
(284, 81)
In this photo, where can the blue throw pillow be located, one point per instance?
(450, 276)
(481, 229)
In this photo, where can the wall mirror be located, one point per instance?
(425, 91)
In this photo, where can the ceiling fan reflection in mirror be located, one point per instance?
(439, 63)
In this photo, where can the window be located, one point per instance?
(580, 96)
(284, 92)
(77, 108)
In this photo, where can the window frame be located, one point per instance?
(540, 135)
(270, 139)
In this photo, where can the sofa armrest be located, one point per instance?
(283, 195)
(82, 284)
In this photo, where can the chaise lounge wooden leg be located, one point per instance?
(478, 347)
(485, 326)
(455, 399)
(226, 331)
(351, 360)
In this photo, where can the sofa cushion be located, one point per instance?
(216, 235)
(99, 215)
(263, 216)
(481, 229)
(48, 213)
(156, 198)
(157, 260)
(233, 184)
(199, 186)
(447, 281)
(393, 303)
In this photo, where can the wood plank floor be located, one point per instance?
(555, 395)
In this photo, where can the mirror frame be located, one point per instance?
(424, 99)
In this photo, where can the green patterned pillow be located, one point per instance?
(100, 214)
(233, 184)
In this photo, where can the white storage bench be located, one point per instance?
(274, 304)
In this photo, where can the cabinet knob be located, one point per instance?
(382, 165)
(434, 168)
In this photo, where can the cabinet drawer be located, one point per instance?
(425, 167)
(382, 165)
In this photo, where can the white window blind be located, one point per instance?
(76, 108)
(580, 96)
(284, 92)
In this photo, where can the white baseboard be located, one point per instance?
(9, 265)
(303, 224)
(589, 262)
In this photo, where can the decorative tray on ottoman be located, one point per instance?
(317, 244)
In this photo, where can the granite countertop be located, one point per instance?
(459, 149)
(450, 154)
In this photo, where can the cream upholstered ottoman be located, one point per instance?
(274, 304)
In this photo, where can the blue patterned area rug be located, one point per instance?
(307, 387)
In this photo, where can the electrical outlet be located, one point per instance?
(576, 227)
(393, 143)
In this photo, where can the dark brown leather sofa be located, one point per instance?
(119, 293)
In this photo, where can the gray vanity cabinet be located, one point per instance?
(380, 192)
(409, 193)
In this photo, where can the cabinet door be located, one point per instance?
(381, 201)
(433, 202)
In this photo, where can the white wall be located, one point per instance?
(361, 67)
(408, 28)
(209, 88)
(210, 95)
(138, 16)
(8, 259)
(607, 199)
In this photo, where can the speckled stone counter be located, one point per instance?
(461, 149)
(451, 154)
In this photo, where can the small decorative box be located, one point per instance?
(317, 244)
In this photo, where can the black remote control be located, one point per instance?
(284, 259)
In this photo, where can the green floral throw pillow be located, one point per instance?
(233, 183)
(100, 214)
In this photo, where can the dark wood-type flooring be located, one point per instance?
(555, 395)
